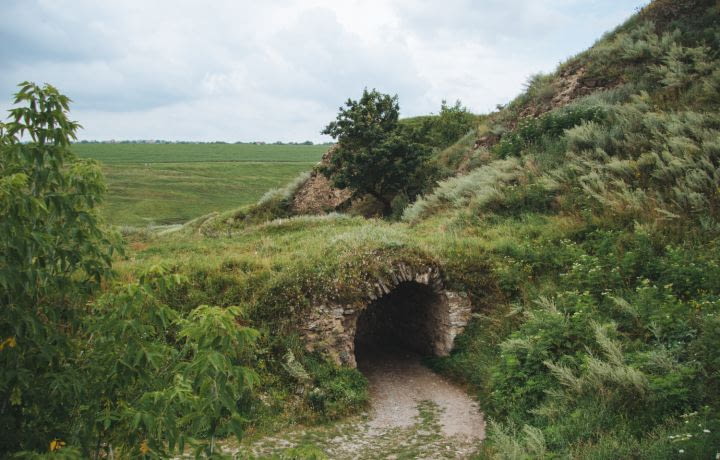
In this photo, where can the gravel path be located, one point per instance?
(414, 414)
(399, 382)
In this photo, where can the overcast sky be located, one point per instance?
(279, 69)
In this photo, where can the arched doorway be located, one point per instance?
(408, 309)
(408, 319)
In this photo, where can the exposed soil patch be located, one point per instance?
(414, 414)
(317, 195)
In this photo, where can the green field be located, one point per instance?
(173, 183)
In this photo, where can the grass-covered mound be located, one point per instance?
(602, 219)
(584, 227)
(586, 231)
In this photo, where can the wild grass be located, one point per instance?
(663, 165)
(480, 186)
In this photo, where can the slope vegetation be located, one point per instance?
(584, 225)
(581, 220)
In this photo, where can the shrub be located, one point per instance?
(530, 131)
(452, 123)
(337, 390)
(66, 384)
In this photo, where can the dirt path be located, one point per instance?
(399, 382)
(414, 414)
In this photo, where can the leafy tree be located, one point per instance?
(52, 250)
(374, 155)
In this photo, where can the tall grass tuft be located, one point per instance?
(479, 186)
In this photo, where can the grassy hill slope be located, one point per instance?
(585, 229)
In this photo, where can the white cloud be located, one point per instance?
(241, 70)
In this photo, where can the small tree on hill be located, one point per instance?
(374, 155)
(453, 122)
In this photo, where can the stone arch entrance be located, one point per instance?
(411, 317)
(410, 306)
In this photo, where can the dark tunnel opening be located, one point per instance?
(402, 323)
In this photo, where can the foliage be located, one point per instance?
(52, 254)
(374, 154)
(452, 123)
(531, 131)
(67, 385)
(50, 233)
(180, 377)
(337, 391)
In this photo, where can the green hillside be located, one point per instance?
(582, 220)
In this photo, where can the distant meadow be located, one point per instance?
(163, 184)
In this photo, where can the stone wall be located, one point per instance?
(331, 328)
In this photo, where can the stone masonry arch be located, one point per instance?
(442, 315)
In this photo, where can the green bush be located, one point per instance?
(53, 254)
(531, 131)
(619, 352)
(337, 391)
(451, 124)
